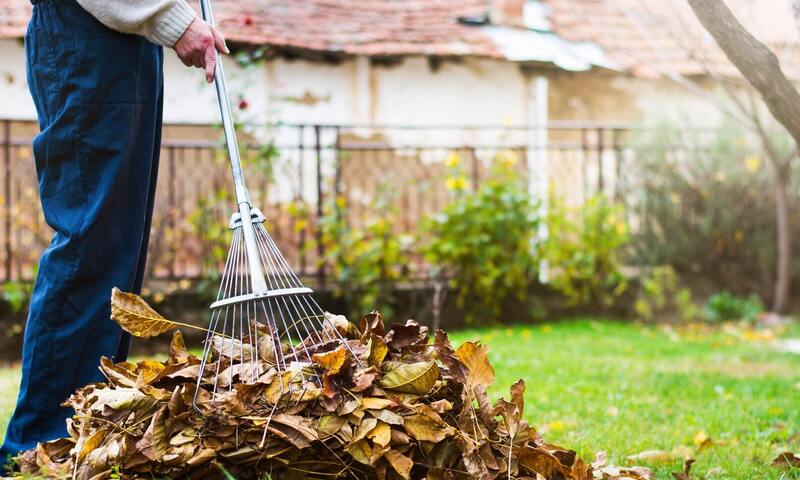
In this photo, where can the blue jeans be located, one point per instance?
(98, 96)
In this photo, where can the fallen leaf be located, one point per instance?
(787, 460)
(331, 361)
(685, 474)
(417, 378)
(475, 358)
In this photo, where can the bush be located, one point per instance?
(725, 306)
(584, 247)
(485, 241)
(368, 261)
(662, 298)
(703, 204)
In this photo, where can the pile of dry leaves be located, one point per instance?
(393, 405)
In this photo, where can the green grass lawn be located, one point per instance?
(625, 389)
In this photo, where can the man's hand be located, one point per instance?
(198, 47)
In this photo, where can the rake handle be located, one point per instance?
(259, 284)
(227, 117)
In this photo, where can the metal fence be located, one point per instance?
(295, 172)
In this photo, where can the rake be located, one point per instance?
(263, 316)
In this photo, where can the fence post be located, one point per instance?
(320, 210)
(301, 179)
(476, 168)
(600, 179)
(337, 176)
(173, 220)
(618, 160)
(7, 195)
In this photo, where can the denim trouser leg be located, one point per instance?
(98, 96)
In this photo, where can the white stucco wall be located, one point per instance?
(15, 101)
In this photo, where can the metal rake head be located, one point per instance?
(264, 318)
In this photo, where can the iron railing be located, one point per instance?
(296, 172)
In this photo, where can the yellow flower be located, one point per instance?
(752, 163)
(506, 158)
(719, 176)
(739, 235)
(676, 199)
(455, 183)
(556, 425)
(508, 120)
(452, 160)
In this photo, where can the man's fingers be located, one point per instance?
(198, 60)
(219, 41)
(211, 62)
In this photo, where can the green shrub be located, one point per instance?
(368, 261)
(16, 294)
(662, 298)
(584, 248)
(485, 241)
(725, 306)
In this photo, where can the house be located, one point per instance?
(397, 85)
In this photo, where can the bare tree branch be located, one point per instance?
(754, 60)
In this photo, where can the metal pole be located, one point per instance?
(259, 283)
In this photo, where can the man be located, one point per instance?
(95, 74)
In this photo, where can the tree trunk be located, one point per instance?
(783, 276)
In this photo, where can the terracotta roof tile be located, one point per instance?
(644, 37)
(651, 38)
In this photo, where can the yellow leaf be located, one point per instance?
(381, 434)
(701, 439)
(331, 361)
(474, 357)
(376, 403)
(91, 443)
(416, 378)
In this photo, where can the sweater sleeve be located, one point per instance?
(160, 21)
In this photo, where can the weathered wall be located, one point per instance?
(467, 92)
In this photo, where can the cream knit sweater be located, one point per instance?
(160, 21)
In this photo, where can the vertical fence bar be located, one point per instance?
(476, 168)
(172, 205)
(7, 196)
(320, 210)
(600, 178)
(301, 179)
(585, 164)
(616, 145)
(337, 175)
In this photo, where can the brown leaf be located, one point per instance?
(154, 444)
(136, 317)
(401, 336)
(372, 323)
(400, 463)
(423, 429)
(787, 460)
(178, 354)
(475, 359)
(685, 474)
